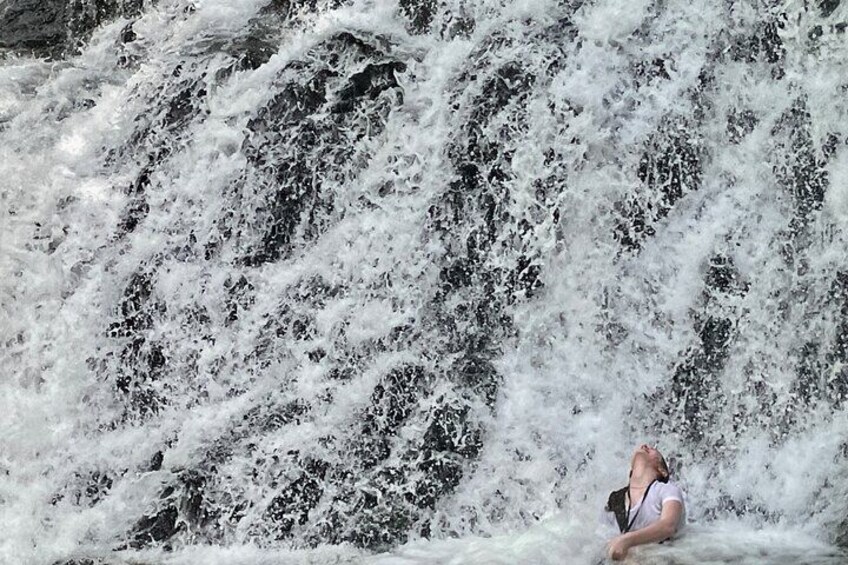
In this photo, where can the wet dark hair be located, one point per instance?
(664, 467)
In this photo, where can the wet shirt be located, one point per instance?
(649, 509)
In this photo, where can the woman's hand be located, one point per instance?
(617, 547)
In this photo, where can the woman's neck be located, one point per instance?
(641, 476)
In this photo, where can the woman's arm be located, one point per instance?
(660, 530)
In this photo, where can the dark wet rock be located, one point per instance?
(393, 399)
(133, 215)
(262, 419)
(740, 124)
(468, 180)
(192, 510)
(384, 524)
(827, 7)
(727, 505)
(343, 373)
(294, 325)
(379, 506)
(84, 17)
(292, 505)
(797, 166)
(470, 304)
(809, 382)
(97, 486)
(477, 199)
(316, 355)
(559, 36)
(452, 439)
(128, 34)
(702, 96)
(837, 359)
(452, 431)
(368, 84)
(141, 361)
(292, 104)
(286, 8)
(525, 279)
(181, 507)
(830, 145)
(204, 505)
(156, 461)
(294, 146)
(295, 412)
(155, 528)
(458, 25)
(634, 225)
(252, 52)
(295, 319)
(87, 488)
(839, 295)
(248, 53)
(240, 297)
(764, 44)
(508, 82)
(648, 71)
(271, 418)
(766, 402)
(476, 371)
(34, 25)
(457, 274)
(837, 387)
(671, 166)
(147, 168)
(842, 534)
(399, 337)
(146, 356)
(689, 407)
(715, 335)
(419, 12)
(287, 207)
(723, 276)
(133, 308)
(180, 101)
(184, 105)
(364, 44)
(443, 475)
(692, 389)
(392, 402)
(55, 27)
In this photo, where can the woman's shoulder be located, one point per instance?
(670, 490)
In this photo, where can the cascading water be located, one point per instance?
(309, 281)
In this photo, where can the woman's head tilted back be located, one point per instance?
(648, 460)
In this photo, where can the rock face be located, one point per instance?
(54, 27)
(306, 272)
(33, 25)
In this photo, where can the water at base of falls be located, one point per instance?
(558, 541)
(552, 541)
(356, 281)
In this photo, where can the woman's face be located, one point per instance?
(650, 455)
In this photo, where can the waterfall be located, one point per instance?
(338, 281)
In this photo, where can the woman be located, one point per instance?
(649, 509)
